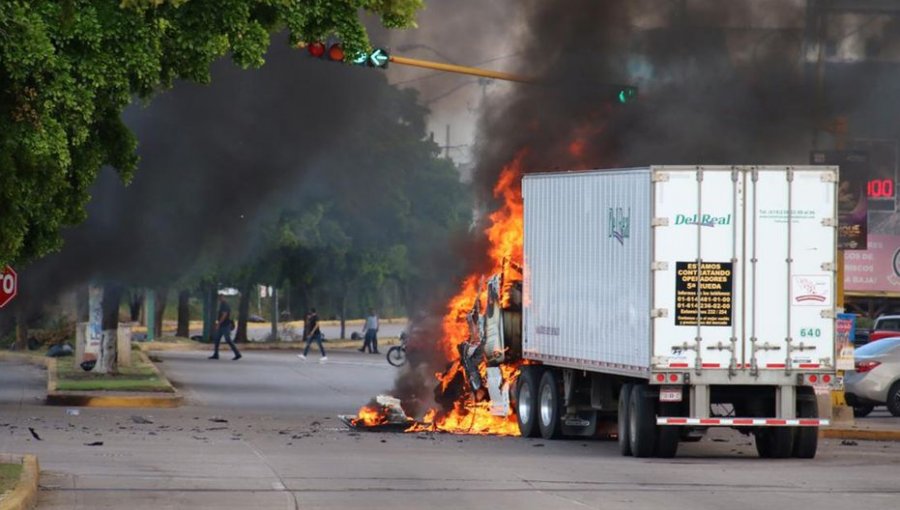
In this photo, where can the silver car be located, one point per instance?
(876, 379)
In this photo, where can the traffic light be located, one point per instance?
(626, 93)
(334, 51)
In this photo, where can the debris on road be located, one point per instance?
(73, 412)
(34, 434)
(849, 442)
(95, 443)
(384, 415)
(218, 420)
(140, 420)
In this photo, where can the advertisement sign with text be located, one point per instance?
(876, 269)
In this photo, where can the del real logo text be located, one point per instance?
(619, 224)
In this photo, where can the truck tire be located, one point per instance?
(806, 439)
(622, 431)
(526, 402)
(893, 399)
(641, 421)
(549, 408)
(774, 442)
(667, 437)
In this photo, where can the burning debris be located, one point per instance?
(480, 338)
(385, 414)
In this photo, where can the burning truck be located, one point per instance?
(669, 299)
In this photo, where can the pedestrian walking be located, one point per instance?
(313, 334)
(370, 333)
(224, 327)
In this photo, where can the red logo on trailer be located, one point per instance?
(9, 286)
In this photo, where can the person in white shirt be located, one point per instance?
(370, 333)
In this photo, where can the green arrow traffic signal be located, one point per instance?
(626, 94)
(379, 58)
(361, 58)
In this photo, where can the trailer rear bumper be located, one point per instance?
(744, 422)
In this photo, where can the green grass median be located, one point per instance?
(141, 376)
(9, 476)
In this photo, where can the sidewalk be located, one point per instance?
(878, 426)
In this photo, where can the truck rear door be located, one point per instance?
(791, 236)
(698, 270)
(744, 268)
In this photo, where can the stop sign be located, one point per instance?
(9, 285)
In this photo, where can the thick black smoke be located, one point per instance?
(719, 83)
(212, 159)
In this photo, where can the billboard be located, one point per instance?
(876, 269)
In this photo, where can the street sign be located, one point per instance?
(379, 58)
(9, 286)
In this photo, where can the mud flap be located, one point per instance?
(583, 424)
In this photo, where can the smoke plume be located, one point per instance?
(719, 83)
(214, 161)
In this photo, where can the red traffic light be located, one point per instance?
(336, 52)
(316, 49)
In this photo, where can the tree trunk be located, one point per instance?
(135, 303)
(21, 331)
(184, 314)
(243, 312)
(209, 312)
(107, 361)
(81, 299)
(274, 313)
(344, 315)
(162, 295)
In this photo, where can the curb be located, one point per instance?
(25, 494)
(862, 434)
(106, 399)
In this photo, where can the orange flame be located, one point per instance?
(506, 237)
(370, 416)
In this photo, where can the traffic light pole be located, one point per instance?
(453, 68)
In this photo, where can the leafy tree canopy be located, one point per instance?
(69, 67)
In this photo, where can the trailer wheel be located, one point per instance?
(806, 439)
(667, 437)
(622, 431)
(774, 442)
(641, 421)
(549, 406)
(526, 402)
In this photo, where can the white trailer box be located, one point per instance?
(617, 262)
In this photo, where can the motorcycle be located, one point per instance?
(396, 355)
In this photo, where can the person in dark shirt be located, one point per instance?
(224, 327)
(313, 334)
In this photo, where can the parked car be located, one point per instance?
(876, 377)
(886, 326)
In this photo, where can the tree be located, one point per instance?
(69, 67)
(184, 314)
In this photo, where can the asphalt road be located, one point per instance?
(262, 433)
